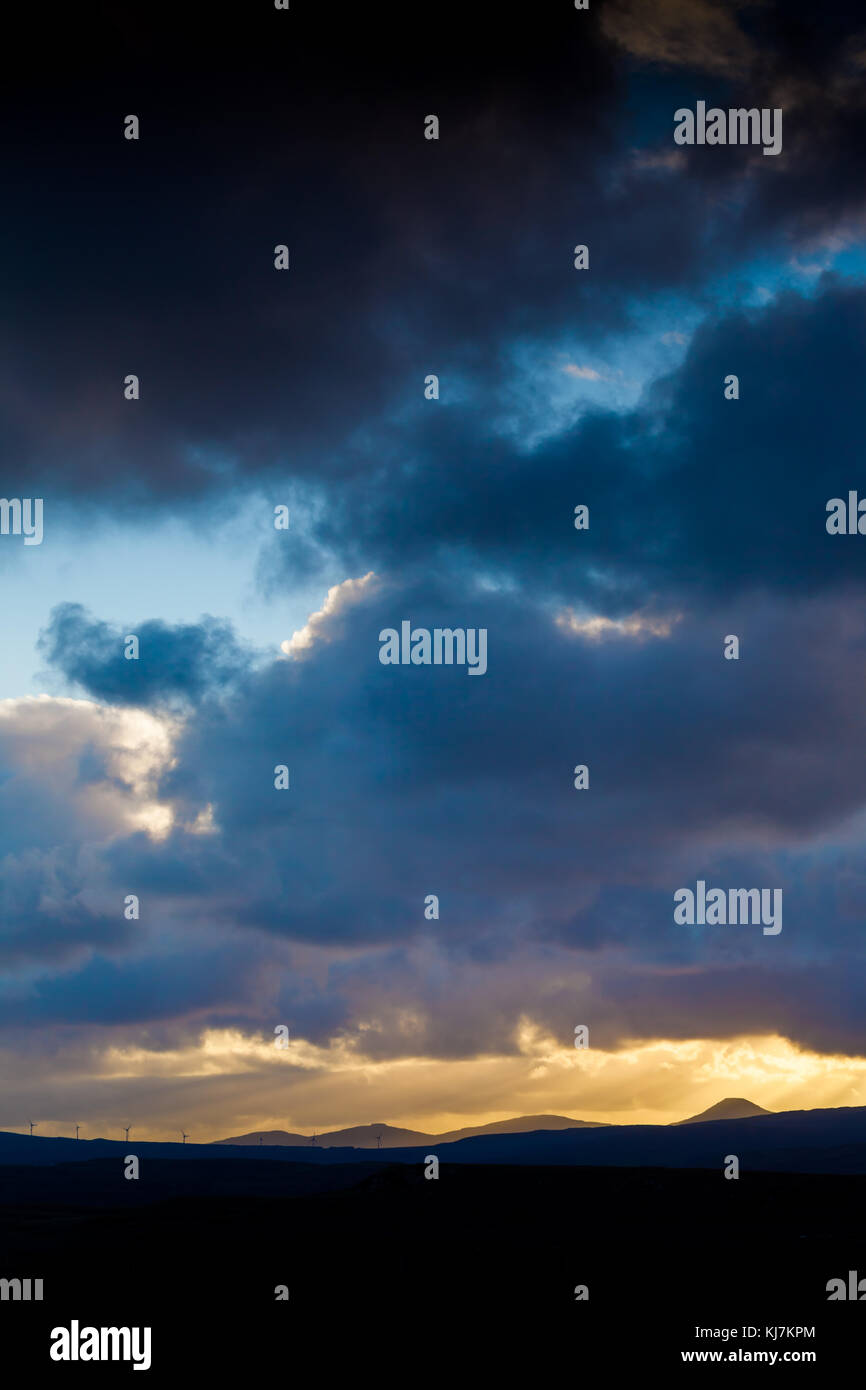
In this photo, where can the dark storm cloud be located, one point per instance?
(408, 256)
(707, 515)
(819, 1005)
(691, 496)
(412, 780)
(174, 664)
(165, 984)
(45, 916)
(398, 244)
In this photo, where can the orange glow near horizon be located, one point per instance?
(230, 1084)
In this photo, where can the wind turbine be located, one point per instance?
(379, 1140)
(313, 1137)
(126, 1132)
(32, 1127)
(185, 1137)
(77, 1128)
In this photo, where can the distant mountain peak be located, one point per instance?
(378, 1134)
(731, 1108)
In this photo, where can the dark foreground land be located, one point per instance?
(394, 1276)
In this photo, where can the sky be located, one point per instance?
(304, 908)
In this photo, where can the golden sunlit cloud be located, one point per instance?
(596, 627)
(230, 1083)
(583, 373)
(338, 598)
(43, 739)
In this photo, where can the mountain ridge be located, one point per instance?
(394, 1137)
(731, 1108)
(804, 1141)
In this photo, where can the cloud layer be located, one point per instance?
(155, 777)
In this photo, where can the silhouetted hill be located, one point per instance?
(804, 1141)
(368, 1136)
(267, 1136)
(521, 1124)
(732, 1108)
(99, 1182)
(358, 1137)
